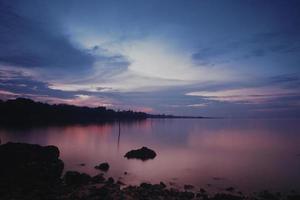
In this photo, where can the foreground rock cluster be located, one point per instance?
(33, 172)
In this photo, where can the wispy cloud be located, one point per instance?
(247, 95)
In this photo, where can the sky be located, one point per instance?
(217, 58)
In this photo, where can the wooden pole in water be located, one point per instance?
(119, 135)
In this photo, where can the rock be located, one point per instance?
(143, 153)
(110, 180)
(267, 195)
(202, 196)
(293, 197)
(230, 189)
(202, 190)
(188, 187)
(226, 197)
(187, 195)
(98, 178)
(76, 178)
(50, 152)
(22, 163)
(29, 171)
(145, 185)
(120, 183)
(163, 185)
(218, 178)
(103, 167)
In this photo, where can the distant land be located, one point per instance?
(22, 111)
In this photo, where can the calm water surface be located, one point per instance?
(248, 154)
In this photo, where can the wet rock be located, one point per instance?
(98, 178)
(163, 184)
(76, 178)
(293, 197)
(103, 167)
(186, 195)
(22, 163)
(188, 187)
(143, 153)
(218, 178)
(266, 195)
(29, 171)
(230, 189)
(120, 183)
(226, 197)
(145, 185)
(110, 180)
(202, 190)
(202, 196)
(102, 192)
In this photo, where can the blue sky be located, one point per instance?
(231, 58)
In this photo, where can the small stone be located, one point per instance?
(76, 178)
(120, 183)
(110, 180)
(103, 167)
(163, 185)
(230, 189)
(188, 187)
(202, 190)
(98, 178)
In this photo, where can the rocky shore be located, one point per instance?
(33, 172)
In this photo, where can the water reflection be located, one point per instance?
(248, 154)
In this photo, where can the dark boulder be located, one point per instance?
(98, 178)
(21, 163)
(188, 187)
(120, 183)
(293, 197)
(76, 178)
(29, 171)
(230, 189)
(143, 153)
(110, 180)
(103, 167)
(222, 196)
(163, 185)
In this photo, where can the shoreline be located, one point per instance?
(36, 172)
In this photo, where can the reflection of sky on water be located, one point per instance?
(251, 154)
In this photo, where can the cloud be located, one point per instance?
(267, 43)
(247, 95)
(18, 82)
(30, 42)
(153, 64)
(287, 80)
(197, 105)
(15, 84)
